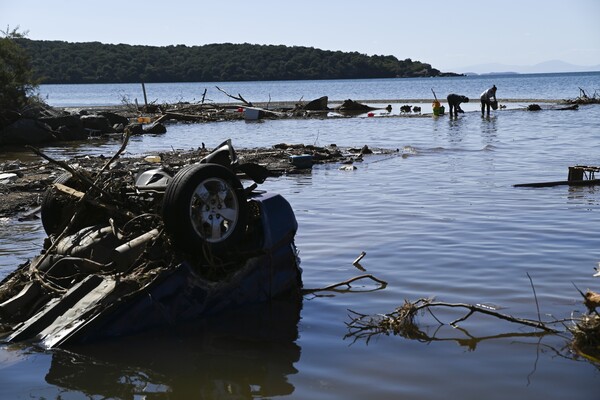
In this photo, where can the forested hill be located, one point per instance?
(94, 62)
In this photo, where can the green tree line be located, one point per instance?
(94, 62)
(17, 82)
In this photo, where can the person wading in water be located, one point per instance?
(454, 101)
(488, 99)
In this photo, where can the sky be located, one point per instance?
(449, 35)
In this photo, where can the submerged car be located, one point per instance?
(163, 247)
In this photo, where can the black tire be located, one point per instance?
(56, 211)
(205, 205)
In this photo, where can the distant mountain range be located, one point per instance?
(544, 67)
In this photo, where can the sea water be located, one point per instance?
(440, 217)
(530, 86)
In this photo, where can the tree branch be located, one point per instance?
(240, 98)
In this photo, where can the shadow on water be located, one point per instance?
(238, 355)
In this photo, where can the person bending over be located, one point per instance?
(454, 101)
(488, 99)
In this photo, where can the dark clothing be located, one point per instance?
(454, 101)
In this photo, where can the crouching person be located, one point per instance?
(488, 99)
(454, 101)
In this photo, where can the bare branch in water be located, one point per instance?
(402, 320)
(347, 283)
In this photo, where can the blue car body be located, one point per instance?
(101, 306)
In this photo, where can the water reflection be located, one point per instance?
(240, 355)
(456, 129)
(488, 125)
(583, 195)
(300, 181)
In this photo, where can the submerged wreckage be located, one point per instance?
(125, 253)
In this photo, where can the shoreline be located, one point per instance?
(22, 194)
(292, 103)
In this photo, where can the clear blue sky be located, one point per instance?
(447, 34)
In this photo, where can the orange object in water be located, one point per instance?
(144, 120)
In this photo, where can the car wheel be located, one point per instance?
(205, 205)
(56, 210)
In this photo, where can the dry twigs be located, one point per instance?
(586, 337)
(402, 322)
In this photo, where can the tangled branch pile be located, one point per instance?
(586, 336)
(402, 322)
(585, 99)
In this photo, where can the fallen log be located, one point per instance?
(579, 175)
(587, 182)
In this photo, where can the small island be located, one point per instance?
(58, 62)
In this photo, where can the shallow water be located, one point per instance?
(530, 86)
(438, 218)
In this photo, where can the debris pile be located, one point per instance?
(189, 240)
(585, 329)
(22, 184)
(583, 98)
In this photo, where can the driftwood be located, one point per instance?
(248, 104)
(586, 182)
(402, 322)
(569, 108)
(404, 318)
(583, 98)
(579, 175)
(239, 97)
(347, 283)
(585, 329)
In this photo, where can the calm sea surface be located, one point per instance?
(533, 86)
(438, 218)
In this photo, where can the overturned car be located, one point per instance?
(126, 252)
